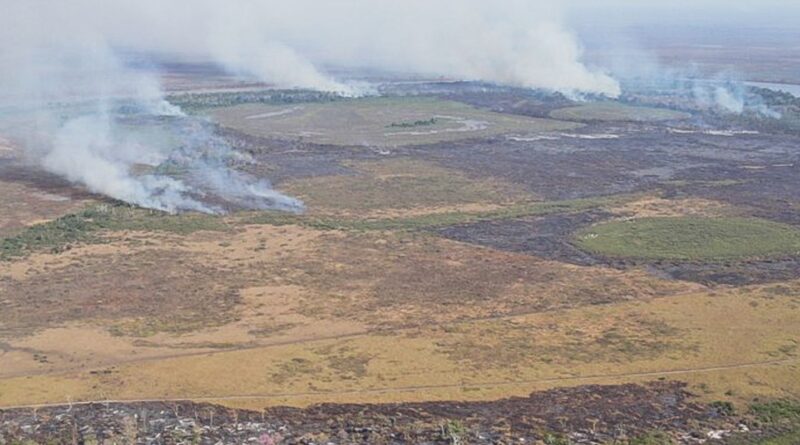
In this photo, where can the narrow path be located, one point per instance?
(401, 389)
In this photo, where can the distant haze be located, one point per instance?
(709, 13)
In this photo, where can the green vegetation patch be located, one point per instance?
(196, 102)
(171, 323)
(615, 111)
(690, 238)
(418, 123)
(779, 421)
(85, 227)
(435, 220)
(790, 438)
(777, 411)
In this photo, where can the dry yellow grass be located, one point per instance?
(658, 207)
(401, 187)
(723, 344)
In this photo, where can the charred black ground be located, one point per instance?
(591, 414)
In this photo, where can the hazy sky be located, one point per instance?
(781, 13)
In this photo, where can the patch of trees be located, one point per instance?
(419, 123)
(195, 101)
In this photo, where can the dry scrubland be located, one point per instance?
(362, 300)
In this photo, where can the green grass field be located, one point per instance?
(691, 238)
(614, 111)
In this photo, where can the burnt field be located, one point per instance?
(749, 172)
(680, 157)
(592, 414)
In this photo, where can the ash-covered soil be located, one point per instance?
(767, 188)
(545, 236)
(551, 237)
(607, 159)
(17, 171)
(747, 173)
(585, 415)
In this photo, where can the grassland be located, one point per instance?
(368, 121)
(691, 239)
(400, 185)
(722, 344)
(375, 311)
(24, 205)
(615, 111)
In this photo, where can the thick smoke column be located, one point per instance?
(82, 113)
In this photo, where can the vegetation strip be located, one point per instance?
(196, 102)
(436, 220)
(83, 227)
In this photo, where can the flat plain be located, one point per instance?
(448, 252)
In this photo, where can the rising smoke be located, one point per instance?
(290, 43)
(65, 79)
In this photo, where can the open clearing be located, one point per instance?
(378, 122)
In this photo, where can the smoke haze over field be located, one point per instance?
(69, 51)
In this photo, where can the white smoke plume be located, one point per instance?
(82, 113)
(64, 75)
(290, 43)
